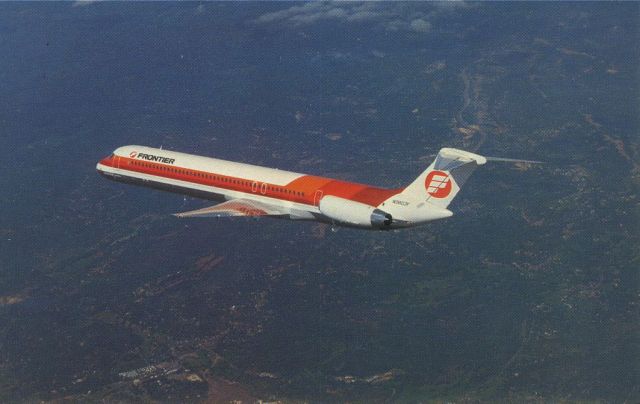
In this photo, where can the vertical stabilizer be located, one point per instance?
(442, 181)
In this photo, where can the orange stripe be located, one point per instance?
(307, 185)
(349, 190)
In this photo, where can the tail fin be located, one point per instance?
(442, 181)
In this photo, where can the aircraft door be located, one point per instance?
(317, 197)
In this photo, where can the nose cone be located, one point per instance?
(105, 162)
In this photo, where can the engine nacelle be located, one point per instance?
(354, 213)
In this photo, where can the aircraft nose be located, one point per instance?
(107, 161)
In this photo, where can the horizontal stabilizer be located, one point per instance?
(514, 160)
(447, 156)
(236, 207)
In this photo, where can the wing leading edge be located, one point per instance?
(237, 207)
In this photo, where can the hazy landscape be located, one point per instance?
(528, 293)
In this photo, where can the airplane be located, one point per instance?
(255, 191)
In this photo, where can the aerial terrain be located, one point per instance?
(530, 292)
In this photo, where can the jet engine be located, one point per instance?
(354, 213)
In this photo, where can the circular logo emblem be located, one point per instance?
(133, 154)
(438, 184)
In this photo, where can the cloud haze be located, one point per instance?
(413, 17)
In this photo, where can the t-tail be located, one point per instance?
(428, 197)
(441, 182)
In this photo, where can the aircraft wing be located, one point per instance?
(237, 207)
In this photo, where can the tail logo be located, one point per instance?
(438, 184)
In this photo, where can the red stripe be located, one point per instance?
(301, 190)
